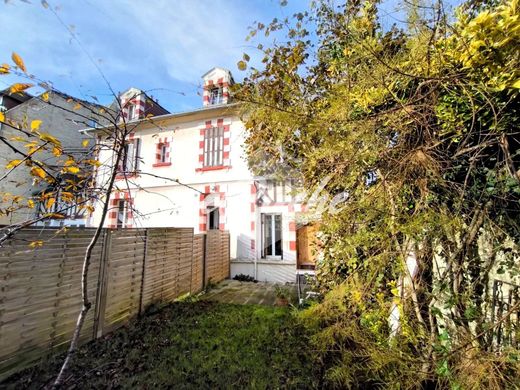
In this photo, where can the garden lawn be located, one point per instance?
(190, 345)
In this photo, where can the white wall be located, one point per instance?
(161, 202)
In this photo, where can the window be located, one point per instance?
(163, 153)
(213, 146)
(271, 236)
(213, 218)
(278, 191)
(216, 96)
(131, 112)
(130, 158)
(121, 213)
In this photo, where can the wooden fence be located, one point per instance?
(40, 290)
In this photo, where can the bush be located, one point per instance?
(245, 278)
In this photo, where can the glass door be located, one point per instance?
(272, 236)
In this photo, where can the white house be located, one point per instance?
(188, 169)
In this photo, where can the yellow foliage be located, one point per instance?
(71, 169)
(13, 163)
(49, 138)
(35, 244)
(85, 143)
(4, 69)
(19, 87)
(45, 96)
(38, 172)
(50, 202)
(35, 124)
(56, 151)
(18, 61)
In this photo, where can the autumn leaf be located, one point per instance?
(67, 196)
(241, 65)
(45, 96)
(55, 216)
(37, 171)
(18, 138)
(13, 163)
(4, 69)
(56, 151)
(77, 107)
(35, 124)
(30, 203)
(19, 62)
(85, 143)
(72, 169)
(516, 84)
(2, 117)
(19, 87)
(50, 202)
(49, 138)
(35, 244)
(93, 162)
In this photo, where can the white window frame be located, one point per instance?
(214, 147)
(216, 95)
(130, 158)
(164, 152)
(121, 218)
(273, 236)
(130, 109)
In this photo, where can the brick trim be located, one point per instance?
(217, 198)
(226, 149)
(113, 209)
(166, 141)
(212, 84)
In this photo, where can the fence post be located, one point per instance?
(204, 260)
(143, 271)
(101, 294)
(192, 258)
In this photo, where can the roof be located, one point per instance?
(18, 96)
(115, 107)
(215, 68)
(179, 114)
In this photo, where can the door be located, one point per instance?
(271, 236)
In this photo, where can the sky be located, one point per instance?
(160, 46)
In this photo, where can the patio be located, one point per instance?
(248, 293)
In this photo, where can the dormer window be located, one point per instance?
(216, 95)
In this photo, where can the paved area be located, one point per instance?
(244, 293)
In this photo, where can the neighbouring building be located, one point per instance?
(188, 169)
(59, 119)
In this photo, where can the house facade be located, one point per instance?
(59, 119)
(189, 169)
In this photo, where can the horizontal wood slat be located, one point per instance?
(40, 288)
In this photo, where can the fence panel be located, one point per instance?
(197, 279)
(167, 272)
(41, 293)
(40, 288)
(217, 256)
(124, 269)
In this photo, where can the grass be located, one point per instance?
(202, 345)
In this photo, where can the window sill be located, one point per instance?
(129, 175)
(162, 164)
(213, 168)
